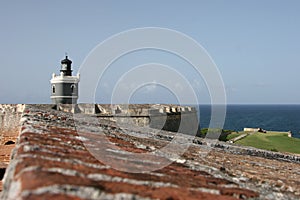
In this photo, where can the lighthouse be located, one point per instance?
(64, 87)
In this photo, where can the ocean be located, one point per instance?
(268, 117)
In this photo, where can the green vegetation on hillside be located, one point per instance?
(215, 133)
(273, 141)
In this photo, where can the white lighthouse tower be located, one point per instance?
(64, 87)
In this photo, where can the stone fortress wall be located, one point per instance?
(49, 160)
(168, 117)
(10, 115)
(159, 116)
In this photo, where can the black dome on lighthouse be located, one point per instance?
(66, 61)
(66, 68)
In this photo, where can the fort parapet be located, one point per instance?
(50, 159)
(183, 119)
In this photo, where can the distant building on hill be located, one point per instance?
(64, 87)
(255, 130)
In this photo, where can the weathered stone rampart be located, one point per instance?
(10, 115)
(174, 118)
(52, 160)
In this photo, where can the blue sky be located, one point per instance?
(255, 44)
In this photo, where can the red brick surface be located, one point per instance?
(52, 162)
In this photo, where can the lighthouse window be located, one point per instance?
(53, 89)
(73, 88)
